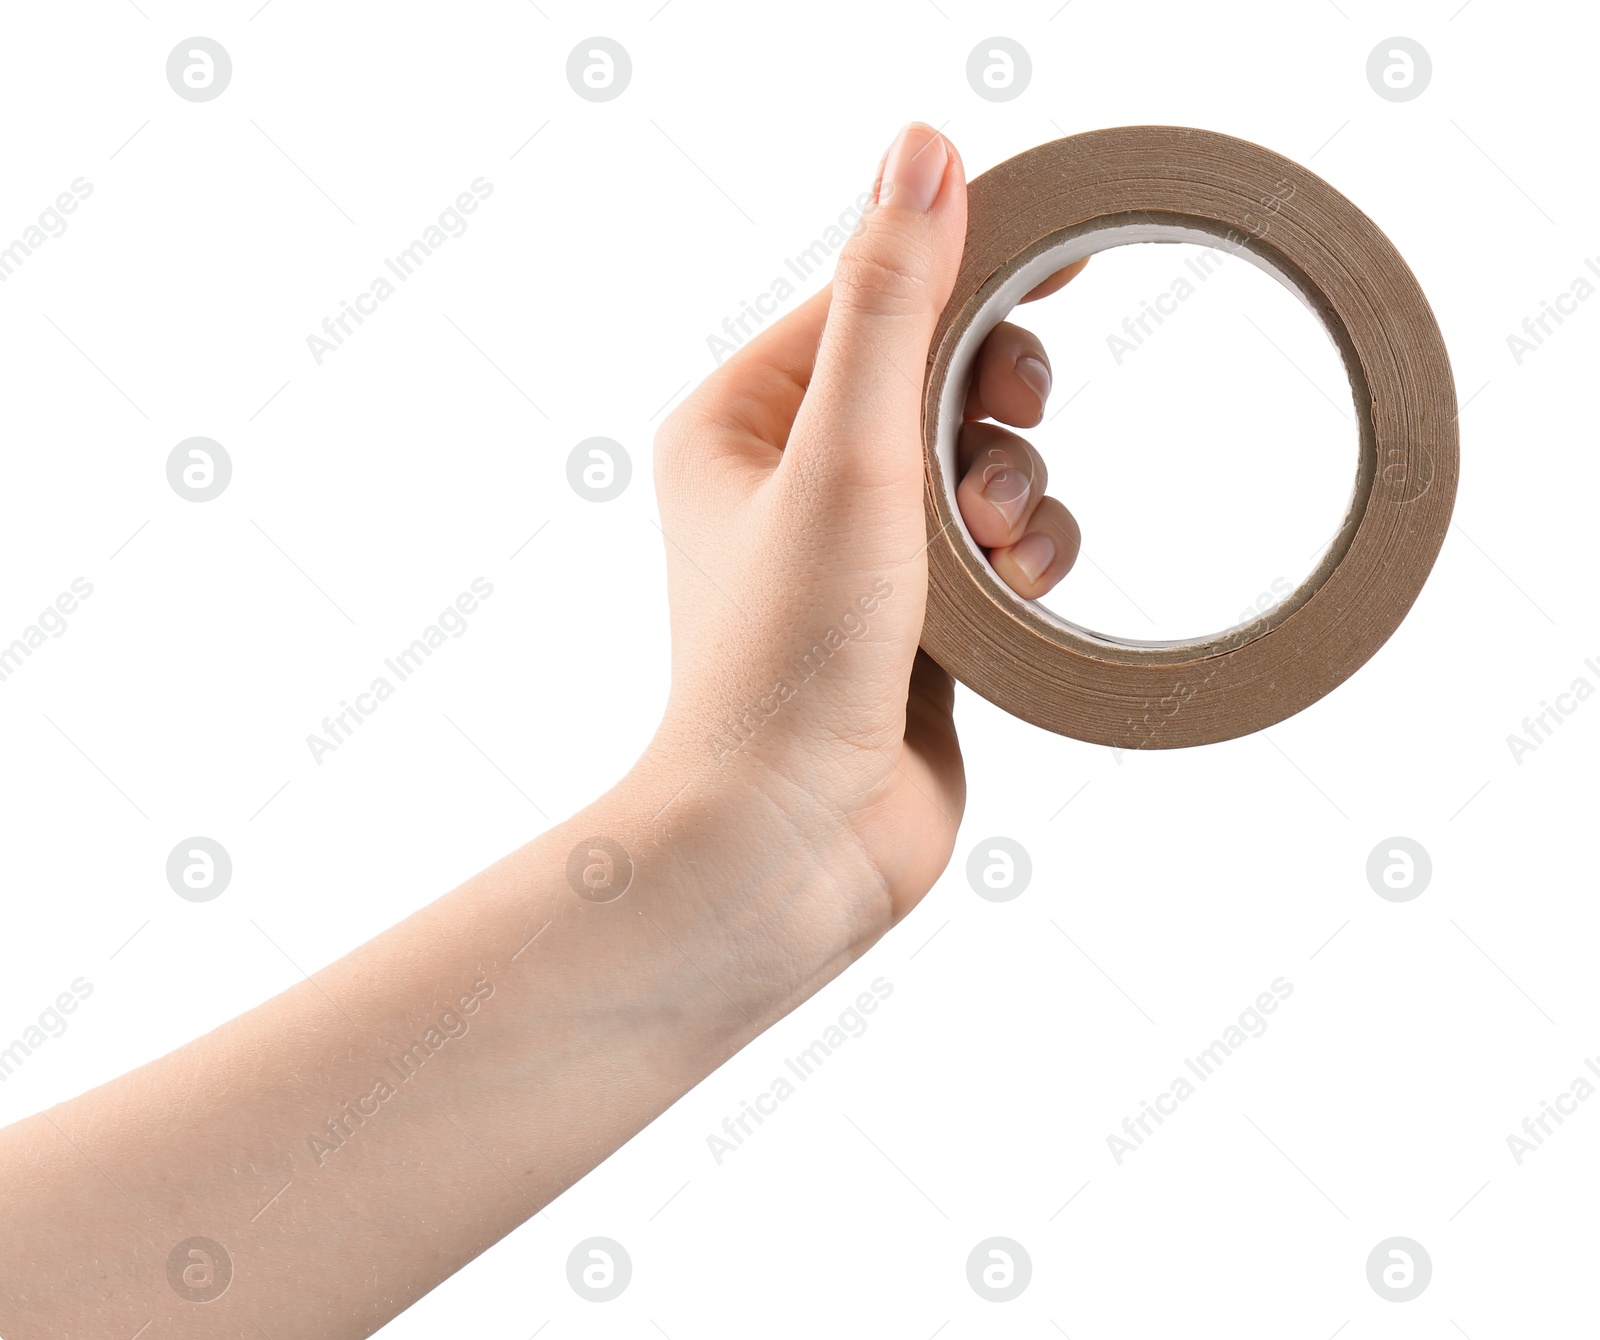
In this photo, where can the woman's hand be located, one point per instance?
(802, 794)
(803, 718)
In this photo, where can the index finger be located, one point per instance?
(1059, 280)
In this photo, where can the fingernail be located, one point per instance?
(1037, 375)
(1007, 489)
(913, 171)
(1033, 554)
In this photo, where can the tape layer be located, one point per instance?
(1140, 696)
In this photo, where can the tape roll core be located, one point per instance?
(1072, 197)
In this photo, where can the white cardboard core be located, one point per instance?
(995, 310)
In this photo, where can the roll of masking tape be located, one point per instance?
(1066, 200)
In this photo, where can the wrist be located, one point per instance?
(737, 869)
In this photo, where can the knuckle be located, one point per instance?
(1038, 471)
(879, 280)
(676, 437)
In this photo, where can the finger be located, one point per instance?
(859, 423)
(1059, 280)
(1045, 553)
(930, 760)
(1004, 481)
(931, 733)
(1012, 380)
(756, 391)
(788, 346)
(976, 438)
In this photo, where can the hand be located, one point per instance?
(801, 795)
(791, 492)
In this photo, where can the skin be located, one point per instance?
(787, 812)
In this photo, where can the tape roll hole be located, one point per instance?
(1202, 433)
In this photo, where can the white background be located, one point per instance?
(1169, 889)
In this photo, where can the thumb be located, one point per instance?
(893, 278)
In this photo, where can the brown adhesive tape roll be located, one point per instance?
(1052, 205)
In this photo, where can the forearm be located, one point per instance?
(357, 1139)
(348, 1145)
